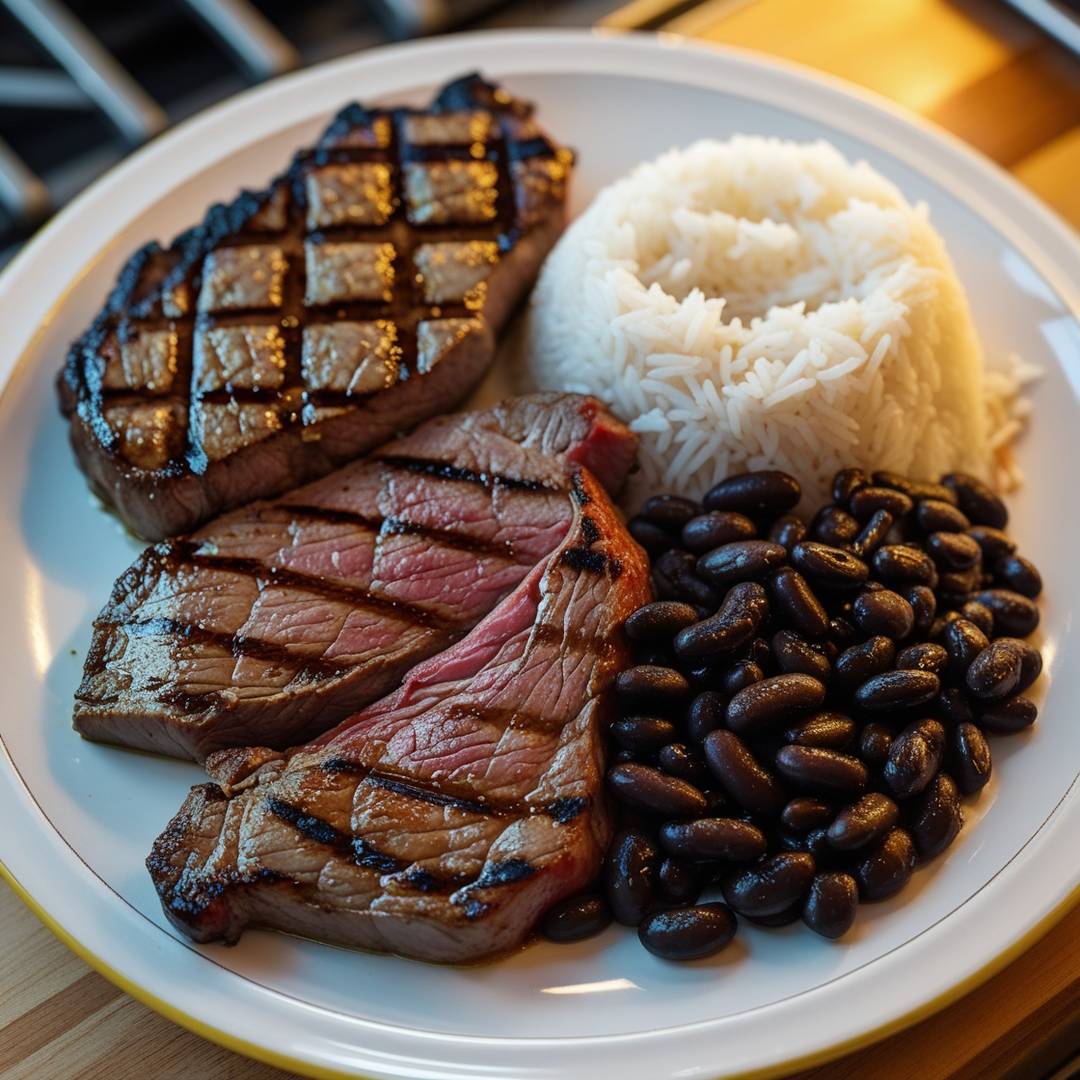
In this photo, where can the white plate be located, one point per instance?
(79, 818)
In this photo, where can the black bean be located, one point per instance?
(773, 700)
(868, 500)
(706, 713)
(936, 817)
(758, 652)
(902, 564)
(575, 918)
(923, 656)
(980, 615)
(706, 674)
(873, 534)
(744, 609)
(829, 730)
(741, 560)
(676, 579)
(648, 686)
(659, 621)
(689, 933)
(829, 566)
(977, 500)
(897, 690)
(935, 515)
(787, 531)
(804, 813)
(1020, 575)
(863, 822)
(623, 755)
(770, 886)
(1030, 662)
(858, 663)
(794, 655)
(741, 775)
(678, 882)
(995, 672)
(794, 601)
(824, 772)
(883, 612)
(669, 511)
(651, 537)
(914, 489)
(677, 759)
(955, 585)
(888, 868)
(952, 705)
(707, 531)
(767, 492)
(781, 918)
(831, 904)
(846, 482)
(648, 789)
(970, 758)
(953, 550)
(874, 742)
(832, 525)
(924, 603)
(741, 674)
(630, 874)
(713, 838)
(914, 758)
(643, 734)
(1009, 716)
(995, 544)
(963, 641)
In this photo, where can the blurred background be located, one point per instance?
(84, 82)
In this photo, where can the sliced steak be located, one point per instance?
(443, 820)
(271, 624)
(298, 327)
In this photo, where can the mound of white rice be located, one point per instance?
(757, 303)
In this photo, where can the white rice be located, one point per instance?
(757, 303)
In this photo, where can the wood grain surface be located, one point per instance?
(985, 74)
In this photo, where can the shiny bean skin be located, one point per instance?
(773, 700)
(1030, 662)
(954, 585)
(868, 500)
(689, 933)
(924, 656)
(787, 531)
(995, 671)
(741, 775)
(659, 621)
(841, 632)
(980, 504)
(713, 838)
(832, 525)
(924, 604)
(937, 817)
(902, 564)
(676, 579)
(649, 686)
(781, 918)
(744, 609)
(764, 492)
(677, 759)
(863, 822)
(829, 566)
(645, 788)
(795, 656)
(707, 531)
(846, 482)
(883, 612)
(897, 690)
(861, 662)
(678, 882)
(630, 876)
(1020, 575)
(804, 813)
(963, 641)
(874, 743)
(969, 758)
(1009, 716)
(740, 675)
(817, 770)
(995, 544)
(643, 734)
(953, 706)
(953, 550)
(794, 600)
(914, 757)
(888, 867)
(770, 886)
(706, 713)
(914, 489)
(980, 615)
(741, 560)
(873, 534)
(669, 511)
(575, 919)
(650, 536)
(831, 904)
(934, 516)
(828, 730)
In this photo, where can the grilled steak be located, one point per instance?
(274, 622)
(298, 327)
(441, 821)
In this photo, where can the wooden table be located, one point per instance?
(986, 75)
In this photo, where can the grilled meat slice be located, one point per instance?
(274, 622)
(442, 821)
(299, 327)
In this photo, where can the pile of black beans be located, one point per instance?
(808, 704)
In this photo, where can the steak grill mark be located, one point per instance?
(446, 471)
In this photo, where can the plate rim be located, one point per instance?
(1057, 243)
